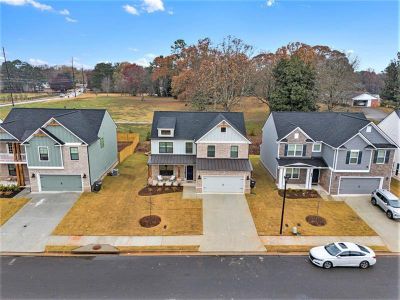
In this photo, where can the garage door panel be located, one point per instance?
(223, 184)
(61, 183)
(350, 186)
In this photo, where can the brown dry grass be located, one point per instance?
(117, 208)
(265, 206)
(9, 207)
(395, 187)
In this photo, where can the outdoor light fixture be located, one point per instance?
(247, 178)
(199, 177)
(84, 176)
(33, 175)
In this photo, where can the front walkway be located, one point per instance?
(29, 229)
(228, 225)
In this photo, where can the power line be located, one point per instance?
(8, 75)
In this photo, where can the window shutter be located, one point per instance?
(359, 157)
(286, 149)
(347, 157)
(304, 149)
(387, 156)
(375, 156)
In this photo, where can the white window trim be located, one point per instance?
(384, 157)
(230, 151)
(368, 129)
(166, 147)
(48, 153)
(358, 155)
(8, 149)
(295, 150)
(185, 147)
(215, 151)
(74, 153)
(291, 173)
(320, 147)
(171, 132)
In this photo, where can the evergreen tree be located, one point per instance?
(391, 90)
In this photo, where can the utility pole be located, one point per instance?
(83, 81)
(8, 76)
(73, 76)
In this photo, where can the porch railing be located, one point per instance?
(7, 157)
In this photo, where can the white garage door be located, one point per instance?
(223, 184)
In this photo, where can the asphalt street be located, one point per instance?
(184, 277)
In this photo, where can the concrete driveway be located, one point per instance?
(374, 114)
(29, 229)
(389, 230)
(228, 225)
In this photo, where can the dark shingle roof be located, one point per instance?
(223, 164)
(171, 159)
(332, 128)
(193, 125)
(166, 122)
(84, 123)
(318, 162)
(398, 112)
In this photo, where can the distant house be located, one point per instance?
(367, 100)
(391, 126)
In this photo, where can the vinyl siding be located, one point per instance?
(374, 136)
(269, 146)
(356, 143)
(102, 159)
(32, 152)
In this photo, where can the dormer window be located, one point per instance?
(165, 132)
(223, 129)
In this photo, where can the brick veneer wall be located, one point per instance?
(71, 167)
(291, 140)
(223, 150)
(324, 178)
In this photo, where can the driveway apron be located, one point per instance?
(389, 230)
(29, 229)
(228, 225)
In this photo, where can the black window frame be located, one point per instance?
(163, 147)
(223, 129)
(45, 156)
(71, 154)
(166, 170)
(12, 172)
(210, 151)
(191, 148)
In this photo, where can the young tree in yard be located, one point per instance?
(391, 90)
(106, 84)
(295, 86)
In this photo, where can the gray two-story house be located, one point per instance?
(208, 150)
(53, 150)
(343, 153)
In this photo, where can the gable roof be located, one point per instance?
(84, 123)
(333, 128)
(193, 125)
(365, 96)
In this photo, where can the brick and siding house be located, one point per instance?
(208, 150)
(343, 153)
(54, 150)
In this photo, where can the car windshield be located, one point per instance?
(332, 249)
(394, 203)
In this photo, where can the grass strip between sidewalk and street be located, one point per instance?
(9, 207)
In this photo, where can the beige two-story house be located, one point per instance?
(209, 150)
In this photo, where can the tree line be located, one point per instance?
(294, 77)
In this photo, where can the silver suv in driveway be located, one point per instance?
(388, 202)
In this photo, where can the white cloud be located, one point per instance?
(37, 62)
(68, 19)
(270, 2)
(34, 3)
(350, 51)
(64, 12)
(170, 12)
(153, 5)
(146, 60)
(133, 49)
(131, 10)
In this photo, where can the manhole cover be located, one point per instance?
(316, 220)
(150, 221)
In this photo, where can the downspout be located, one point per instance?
(90, 180)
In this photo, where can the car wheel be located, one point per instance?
(327, 265)
(373, 201)
(389, 214)
(364, 264)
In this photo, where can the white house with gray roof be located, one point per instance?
(52, 150)
(208, 150)
(343, 153)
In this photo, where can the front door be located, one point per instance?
(189, 172)
(315, 176)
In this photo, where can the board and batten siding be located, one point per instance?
(269, 146)
(102, 159)
(63, 134)
(32, 152)
(5, 136)
(356, 143)
(179, 146)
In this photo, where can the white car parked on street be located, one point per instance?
(342, 254)
(388, 202)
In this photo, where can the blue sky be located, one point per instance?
(136, 31)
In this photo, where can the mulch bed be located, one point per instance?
(123, 145)
(299, 194)
(316, 220)
(9, 194)
(150, 221)
(158, 190)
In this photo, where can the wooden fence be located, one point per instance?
(127, 143)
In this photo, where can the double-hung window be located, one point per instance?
(189, 148)
(10, 148)
(12, 170)
(316, 147)
(166, 147)
(293, 173)
(234, 151)
(380, 156)
(354, 156)
(295, 150)
(74, 153)
(210, 151)
(43, 153)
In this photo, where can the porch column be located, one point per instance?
(308, 179)
(282, 173)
